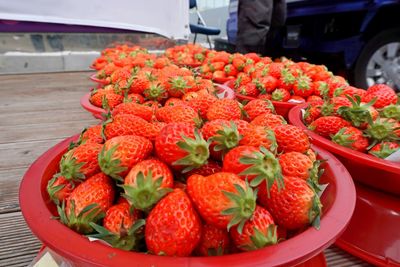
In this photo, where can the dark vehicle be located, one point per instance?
(357, 38)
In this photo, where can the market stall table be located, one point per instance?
(37, 111)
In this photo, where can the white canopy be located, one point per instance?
(169, 18)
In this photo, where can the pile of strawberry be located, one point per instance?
(192, 178)
(365, 121)
(190, 55)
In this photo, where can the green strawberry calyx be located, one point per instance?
(81, 222)
(70, 168)
(358, 113)
(127, 239)
(243, 205)
(227, 138)
(343, 139)
(384, 151)
(392, 111)
(381, 130)
(146, 192)
(261, 240)
(197, 152)
(265, 166)
(110, 165)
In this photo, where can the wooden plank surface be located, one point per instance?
(36, 112)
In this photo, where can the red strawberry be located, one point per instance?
(291, 138)
(207, 169)
(268, 120)
(132, 108)
(121, 227)
(384, 149)
(259, 136)
(181, 147)
(155, 92)
(327, 126)
(331, 107)
(257, 107)
(314, 98)
(59, 188)
(180, 85)
(140, 83)
(281, 95)
(87, 203)
(227, 109)
(258, 232)
(80, 162)
(173, 227)
(321, 88)
(275, 69)
(383, 129)
(265, 97)
(127, 124)
(249, 89)
(287, 80)
(353, 91)
(182, 113)
(232, 161)
(230, 70)
(222, 199)
(146, 183)
(173, 101)
(295, 206)
(121, 153)
(379, 87)
(213, 241)
(391, 111)
(312, 112)
(303, 86)
(296, 164)
(105, 99)
(201, 104)
(238, 63)
(91, 135)
(351, 137)
(336, 85)
(383, 98)
(269, 83)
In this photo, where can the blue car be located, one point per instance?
(357, 38)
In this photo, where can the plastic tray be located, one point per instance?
(369, 170)
(338, 200)
(373, 233)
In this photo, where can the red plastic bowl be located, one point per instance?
(222, 92)
(96, 111)
(338, 200)
(281, 108)
(94, 78)
(372, 171)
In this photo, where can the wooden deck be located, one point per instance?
(36, 112)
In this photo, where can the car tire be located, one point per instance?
(366, 66)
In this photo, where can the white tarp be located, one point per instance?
(169, 18)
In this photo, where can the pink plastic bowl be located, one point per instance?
(222, 92)
(338, 200)
(281, 108)
(369, 170)
(97, 80)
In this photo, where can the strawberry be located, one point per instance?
(287, 79)
(155, 92)
(248, 89)
(173, 227)
(59, 188)
(238, 63)
(227, 109)
(321, 88)
(105, 99)
(258, 232)
(146, 183)
(222, 199)
(268, 120)
(383, 129)
(269, 83)
(291, 138)
(127, 124)
(384, 149)
(218, 75)
(352, 138)
(213, 242)
(314, 98)
(353, 91)
(327, 126)
(296, 164)
(259, 136)
(132, 108)
(87, 203)
(242, 79)
(275, 69)
(281, 95)
(80, 162)
(121, 227)
(223, 134)
(232, 161)
(217, 66)
(140, 82)
(303, 86)
(182, 113)
(91, 135)
(182, 147)
(336, 85)
(257, 107)
(331, 107)
(201, 104)
(295, 206)
(173, 101)
(265, 97)
(359, 114)
(230, 70)
(121, 153)
(383, 97)
(379, 87)
(180, 85)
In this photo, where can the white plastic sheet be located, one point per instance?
(169, 18)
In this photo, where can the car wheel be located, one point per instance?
(379, 61)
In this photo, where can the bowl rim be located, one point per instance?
(96, 111)
(295, 119)
(97, 80)
(59, 237)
